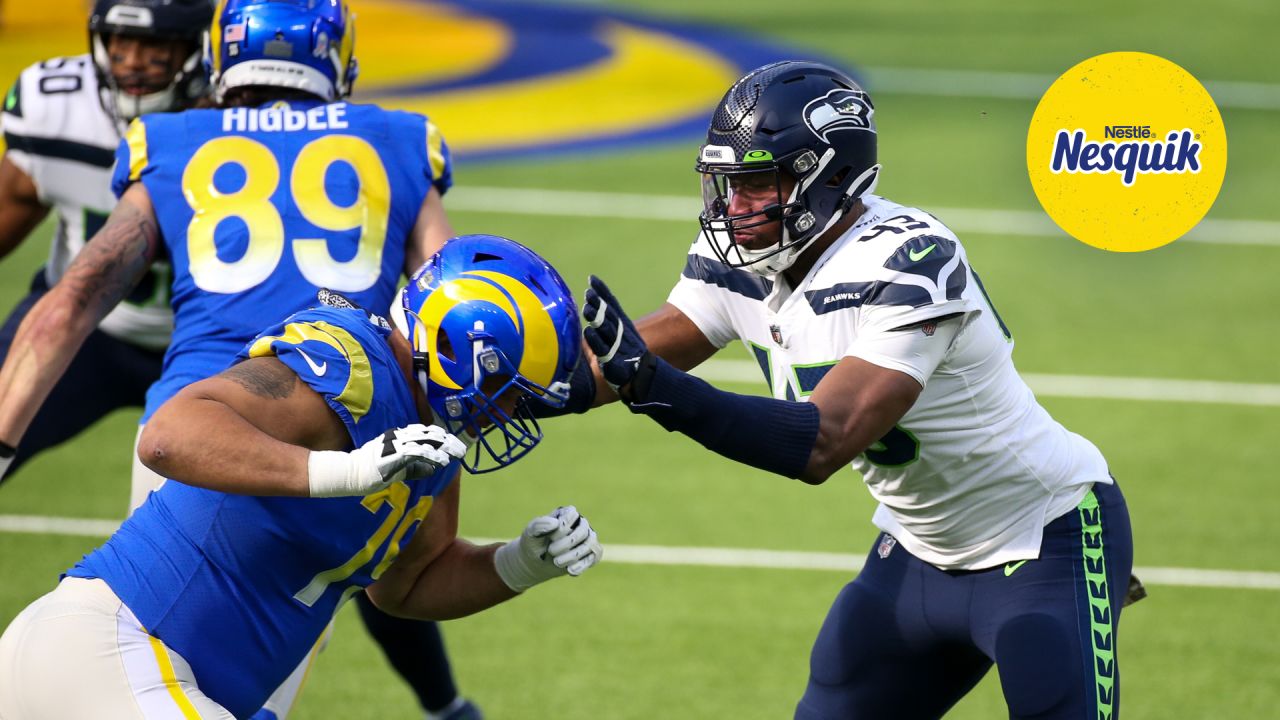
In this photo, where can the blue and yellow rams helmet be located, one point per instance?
(493, 328)
(304, 45)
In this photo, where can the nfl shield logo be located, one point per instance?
(776, 333)
(886, 546)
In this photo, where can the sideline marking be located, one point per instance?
(1030, 86)
(712, 557)
(1071, 386)
(683, 208)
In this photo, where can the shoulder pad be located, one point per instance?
(326, 347)
(935, 260)
(52, 88)
(923, 270)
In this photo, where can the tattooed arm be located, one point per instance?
(100, 277)
(247, 431)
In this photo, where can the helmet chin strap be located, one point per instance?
(775, 264)
(779, 261)
(127, 107)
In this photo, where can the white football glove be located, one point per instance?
(412, 451)
(550, 546)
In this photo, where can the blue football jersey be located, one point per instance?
(242, 586)
(260, 207)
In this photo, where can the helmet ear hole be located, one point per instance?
(444, 347)
(838, 179)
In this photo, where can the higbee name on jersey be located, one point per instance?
(973, 472)
(282, 118)
(57, 132)
(211, 573)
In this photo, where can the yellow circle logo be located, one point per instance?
(1126, 151)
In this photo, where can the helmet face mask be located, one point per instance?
(813, 128)
(153, 24)
(763, 231)
(493, 329)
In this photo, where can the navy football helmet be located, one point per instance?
(493, 326)
(306, 45)
(184, 20)
(805, 119)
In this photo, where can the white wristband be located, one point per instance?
(512, 568)
(333, 473)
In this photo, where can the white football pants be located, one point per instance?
(78, 652)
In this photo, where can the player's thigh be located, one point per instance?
(875, 652)
(78, 652)
(1057, 618)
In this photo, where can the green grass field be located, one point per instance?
(644, 641)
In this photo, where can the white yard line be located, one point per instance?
(1071, 386)
(710, 557)
(1031, 86)
(682, 208)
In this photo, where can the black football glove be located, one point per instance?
(625, 361)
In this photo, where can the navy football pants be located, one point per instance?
(107, 374)
(906, 640)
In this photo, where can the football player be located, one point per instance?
(1004, 539)
(62, 121)
(283, 189)
(305, 476)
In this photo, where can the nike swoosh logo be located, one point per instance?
(918, 256)
(1011, 568)
(320, 369)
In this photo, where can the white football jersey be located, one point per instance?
(976, 468)
(57, 132)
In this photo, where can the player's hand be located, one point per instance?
(412, 451)
(613, 338)
(559, 543)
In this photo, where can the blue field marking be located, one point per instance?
(546, 46)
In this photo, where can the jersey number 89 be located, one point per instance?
(252, 205)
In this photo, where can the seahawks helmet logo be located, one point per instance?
(839, 110)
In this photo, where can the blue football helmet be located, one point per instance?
(493, 328)
(305, 45)
(806, 120)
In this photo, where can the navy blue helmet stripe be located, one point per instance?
(62, 149)
(737, 281)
